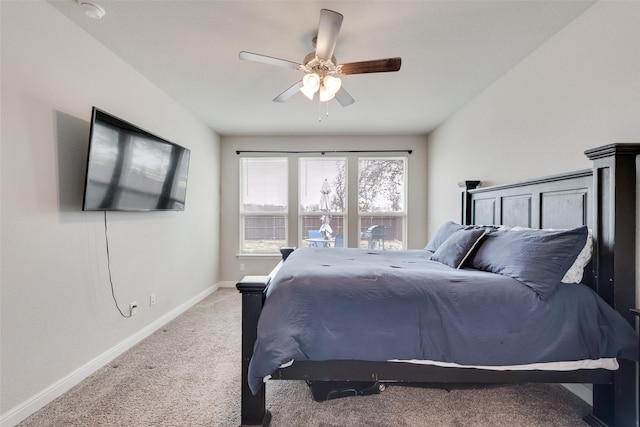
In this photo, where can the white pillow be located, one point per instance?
(576, 271)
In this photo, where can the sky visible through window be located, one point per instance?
(264, 184)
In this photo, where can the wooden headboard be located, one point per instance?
(604, 199)
(560, 201)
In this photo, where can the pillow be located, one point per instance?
(537, 258)
(443, 233)
(576, 271)
(456, 249)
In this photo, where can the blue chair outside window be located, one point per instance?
(315, 234)
(339, 242)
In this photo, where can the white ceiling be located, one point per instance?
(451, 51)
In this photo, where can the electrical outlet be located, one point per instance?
(152, 299)
(241, 267)
(133, 308)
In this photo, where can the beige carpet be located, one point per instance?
(188, 374)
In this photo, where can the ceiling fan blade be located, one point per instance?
(328, 30)
(269, 60)
(373, 66)
(288, 93)
(343, 97)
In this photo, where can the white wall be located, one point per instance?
(230, 226)
(579, 90)
(58, 318)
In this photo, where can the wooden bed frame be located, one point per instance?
(603, 198)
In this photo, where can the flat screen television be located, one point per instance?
(130, 169)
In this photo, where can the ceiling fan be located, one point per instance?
(321, 68)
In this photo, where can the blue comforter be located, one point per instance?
(355, 304)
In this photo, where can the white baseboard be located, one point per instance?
(581, 390)
(38, 401)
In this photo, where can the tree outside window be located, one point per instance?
(381, 202)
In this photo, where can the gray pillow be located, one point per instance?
(443, 233)
(537, 258)
(455, 250)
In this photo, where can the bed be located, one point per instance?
(601, 199)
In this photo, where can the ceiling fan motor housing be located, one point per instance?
(313, 64)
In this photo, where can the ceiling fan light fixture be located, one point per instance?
(307, 92)
(312, 81)
(310, 85)
(326, 95)
(330, 86)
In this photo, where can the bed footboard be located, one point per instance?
(253, 288)
(253, 411)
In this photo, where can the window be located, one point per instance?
(322, 195)
(263, 204)
(317, 198)
(381, 202)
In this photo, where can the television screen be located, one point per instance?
(130, 169)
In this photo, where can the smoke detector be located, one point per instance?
(91, 9)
